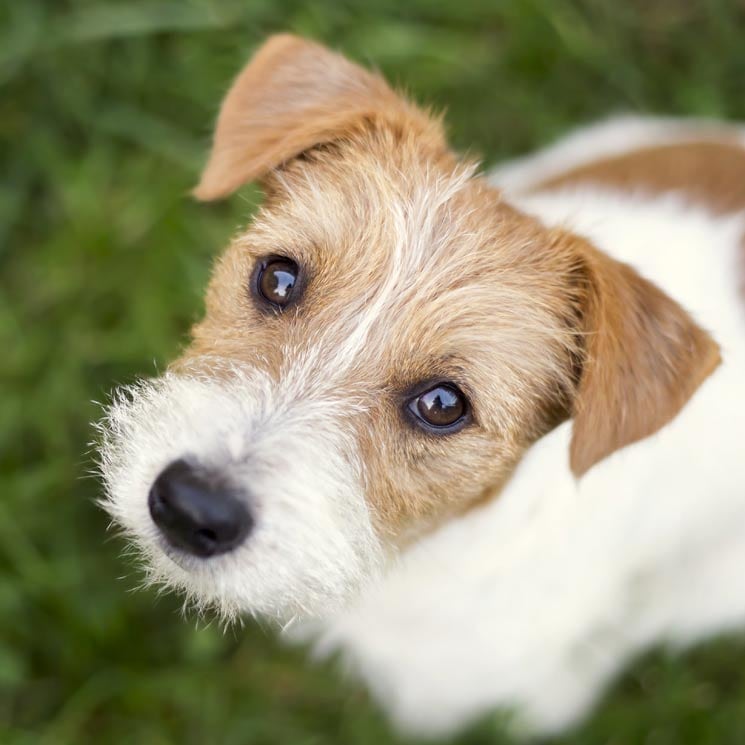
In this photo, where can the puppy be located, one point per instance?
(336, 449)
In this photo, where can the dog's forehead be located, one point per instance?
(381, 222)
(407, 256)
(412, 271)
(376, 210)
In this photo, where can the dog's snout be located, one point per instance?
(197, 513)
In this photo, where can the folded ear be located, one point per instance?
(644, 356)
(293, 94)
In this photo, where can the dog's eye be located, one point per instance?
(443, 407)
(276, 280)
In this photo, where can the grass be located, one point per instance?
(104, 121)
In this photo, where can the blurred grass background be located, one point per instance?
(105, 117)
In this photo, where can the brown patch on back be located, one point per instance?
(712, 173)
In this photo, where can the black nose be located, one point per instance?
(197, 513)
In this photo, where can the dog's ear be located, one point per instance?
(292, 95)
(643, 357)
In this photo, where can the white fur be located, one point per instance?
(537, 598)
(313, 544)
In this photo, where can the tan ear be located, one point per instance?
(292, 95)
(644, 356)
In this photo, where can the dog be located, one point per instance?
(483, 434)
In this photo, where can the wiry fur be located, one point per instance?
(313, 545)
(399, 255)
(414, 268)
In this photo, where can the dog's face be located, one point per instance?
(378, 349)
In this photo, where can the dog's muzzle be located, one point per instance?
(197, 512)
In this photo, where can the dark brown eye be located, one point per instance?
(276, 281)
(443, 407)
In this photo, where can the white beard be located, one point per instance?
(313, 544)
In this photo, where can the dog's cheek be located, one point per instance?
(414, 482)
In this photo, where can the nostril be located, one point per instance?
(207, 534)
(197, 512)
(206, 541)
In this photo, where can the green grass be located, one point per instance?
(105, 115)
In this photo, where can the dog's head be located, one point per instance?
(379, 348)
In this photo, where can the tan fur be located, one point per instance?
(710, 172)
(644, 358)
(418, 270)
(295, 95)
